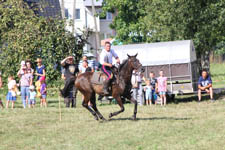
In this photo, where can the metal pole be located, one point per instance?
(171, 85)
(62, 9)
(190, 72)
(97, 42)
(74, 17)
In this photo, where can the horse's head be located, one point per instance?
(134, 62)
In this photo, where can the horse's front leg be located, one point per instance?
(89, 108)
(119, 101)
(134, 117)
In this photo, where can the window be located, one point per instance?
(77, 13)
(67, 13)
(107, 16)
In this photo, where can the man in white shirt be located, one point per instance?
(136, 81)
(106, 58)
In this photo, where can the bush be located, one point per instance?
(25, 36)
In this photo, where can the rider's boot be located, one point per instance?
(106, 87)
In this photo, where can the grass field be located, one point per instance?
(185, 124)
(218, 75)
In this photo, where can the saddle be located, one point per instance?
(99, 77)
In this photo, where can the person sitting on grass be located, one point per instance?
(205, 84)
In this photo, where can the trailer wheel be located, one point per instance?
(170, 97)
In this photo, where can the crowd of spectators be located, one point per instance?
(155, 89)
(153, 92)
(27, 85)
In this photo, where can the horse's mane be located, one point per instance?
(123, 64)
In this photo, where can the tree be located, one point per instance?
(160, 20)
(127, 20)
(24, 36)
(200, 20)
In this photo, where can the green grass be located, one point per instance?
(218, 75)
(187, 125)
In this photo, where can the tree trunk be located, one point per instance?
(205, 63)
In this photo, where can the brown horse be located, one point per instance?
(120, 87)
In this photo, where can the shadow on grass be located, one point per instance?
(191, 98)
(145, 119)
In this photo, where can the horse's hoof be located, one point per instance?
(96, 118)
(103, 119)
(110, 115)
(134, 118)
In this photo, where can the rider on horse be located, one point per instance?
(106, 61)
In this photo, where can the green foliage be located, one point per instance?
(201, 21)
(159, 20)
(127, 21)
(26, 36)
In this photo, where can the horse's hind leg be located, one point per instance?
(85, 104)
(93, 102)
(119, 101)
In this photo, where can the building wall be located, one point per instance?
(87, 21)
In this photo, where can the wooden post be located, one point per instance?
(60, 111)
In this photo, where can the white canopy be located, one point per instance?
(160, 53)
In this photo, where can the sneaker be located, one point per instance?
(213, 100)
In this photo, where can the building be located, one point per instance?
(85, 19)
(46, 8)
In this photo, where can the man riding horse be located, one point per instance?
(92, 83)
(106, 57)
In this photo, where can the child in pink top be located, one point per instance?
(162, 87)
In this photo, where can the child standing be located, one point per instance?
(162, 87)
(148, 93)
(32, 99)
(43, 92)
(11, 95)
(154, 84)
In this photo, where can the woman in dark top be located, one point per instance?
(40, 69)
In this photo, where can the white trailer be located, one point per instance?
(177, 59)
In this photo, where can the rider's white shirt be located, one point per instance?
(107, 57)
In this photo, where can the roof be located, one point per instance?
(175, 52)
(50, 8)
